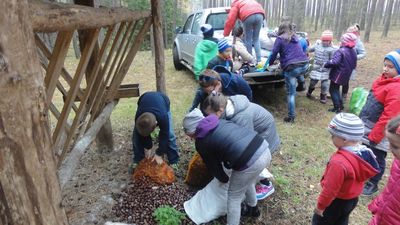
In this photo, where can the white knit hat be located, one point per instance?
(191, 121)
(347, 126)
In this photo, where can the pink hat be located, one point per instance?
(353, 29)
(327, 36)
(349, 40)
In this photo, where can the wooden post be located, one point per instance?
(29, 188)
(104, 140)
(158, 46)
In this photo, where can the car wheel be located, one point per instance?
(175, 56)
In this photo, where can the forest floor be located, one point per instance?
(88, 197)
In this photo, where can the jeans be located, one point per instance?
(381, 159)
(324, 86)
(252, 26)
(334, 90)
(242, 184)
(172, 151)
(291, 77)
(337, 213)
(345, 89)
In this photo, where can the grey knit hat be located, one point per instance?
(191, 121)
(347, 126)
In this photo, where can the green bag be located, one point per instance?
(357, 101)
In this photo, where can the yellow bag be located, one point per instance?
(197, 174)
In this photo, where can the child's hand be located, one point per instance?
(158, 159)
(319, 212)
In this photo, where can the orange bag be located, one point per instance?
(197, 174)
(161, 174)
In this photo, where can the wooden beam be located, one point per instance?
(83, 105)
(80, 71)
(69, 165)
(119, 76)
(56, 62)
(52, 16)
(127, 46)
(127, 91)
(158, 46)
(29, 188)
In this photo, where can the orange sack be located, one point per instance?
(160, 174)
(197, 174)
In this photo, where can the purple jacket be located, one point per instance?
(290, 52)
(344, 61)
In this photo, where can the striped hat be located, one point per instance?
(347, 126)
(348, 40)
(394, 57)
(223, 45)
(327, 36)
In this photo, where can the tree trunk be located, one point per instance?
(158, 46)
(317, 15)
(388, 16)
(29, 188)
(364, 9)
(370, 19)
(337, 19)
(344, 17)
(104, 139)
(299, 11)
(379, 10)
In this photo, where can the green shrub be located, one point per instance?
(167, 215)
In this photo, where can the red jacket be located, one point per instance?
(383, 104)
(241, 9)
(343, 178)
(386, 206)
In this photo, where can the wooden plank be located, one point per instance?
(69, 165)
(56, 62)
(119, 76)
(57, 114)
(64, 73)
(158, 46)
(127, 91)
(52, 16)
(82, 106)
(127, 46)
(64, 92)
(80, 71)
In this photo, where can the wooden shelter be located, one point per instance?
(89, 95)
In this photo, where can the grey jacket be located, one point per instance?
(321, 56)
(250, 115)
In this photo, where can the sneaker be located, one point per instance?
(335, 110)
(323, 98)
(288, 120)
(369, 188)
(132, 167)
(175, 167)
(263, 191)
(300, 87)
(248, 211)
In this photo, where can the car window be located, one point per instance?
(188, 24)
(217, 20)
(196, 24)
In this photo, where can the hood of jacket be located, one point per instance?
(207, 45)
(239, 103)
(362, 169)
(206, 125)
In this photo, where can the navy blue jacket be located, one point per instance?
(232, 84)
(227, 143)
(158, 104)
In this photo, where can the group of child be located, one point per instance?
(231, 132)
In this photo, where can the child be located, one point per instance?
(294, 63)
(383, 103)
(224, 56)
(241, 53)
(205, 50)
(344, 61)
(221, 142)
(240, 110)
(385, 208)
(323, 53)
(345, 172)
(154, 110)
(221, 81)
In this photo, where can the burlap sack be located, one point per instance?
(161, 174)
